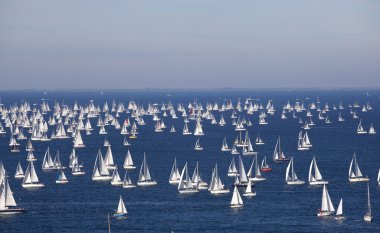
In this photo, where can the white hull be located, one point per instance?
(367, 218)
(19, 176)
(11, 211)
(78, 173)
(188, 191)
(318, 182)
(102, 178)
(146, 183)
(339, 218)
(129, 167)
(236, 206)
(232, 174)
(297, 182)
(61, 181)
(38, 185)
(129, 186)
(249, 194)
(358, 179)
(257, 179)
(117, 183)
(325, 213)
(226, 149)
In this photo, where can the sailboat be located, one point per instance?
(100, 171)
(264, 165)
(241, 179)
(61, 177)
(174, 177)
(48, 163)
(76, 169)
(30, 156)
(259, 141)
(216, 185)
(29, 146)
(225, 145)
(7, 202)
(185, 184)
(232, 171)
(316, 177)
(172, 129)
(127, 182)
(254, 173)
(121, 212)
(128, 162)
(368, 216)
(371, 129)
(198, 146)
(248, 191)
(145, 178)
(278, 154)
(31, 179)
(290, 176)
(354, 173)
(327, 208)
(196, 179)
(236, 201)
(116, 181)
(360, 129)
(109, 159)
(125, 142)
(78, 142)
(19, 172)
(302, 142)
(248, 148)
(339, 212)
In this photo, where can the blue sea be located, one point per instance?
(83, 205)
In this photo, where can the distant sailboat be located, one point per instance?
(216, 185)
(339, 213)
(19, 172)
(121, 212)
(116, 181)
(290, 176)
(241, 179)
(127, 182)
(185, 184)
(368, 216)
(145, 178)
(371, 129)
(48, 163)
(128, 162)
(174, 177)
(61, 177)
(327, 208)
(31, 179)
(232, 171)
(316, 177)
(100, 171)
(278, 154)
(360, 129)
(236, 201)
(264, 165)
(198, 146)
(354, 173)
(248, 191)
(225, 145)
(259, 141)
(254, 173)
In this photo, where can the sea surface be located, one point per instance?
(82, 205)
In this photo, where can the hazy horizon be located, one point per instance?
(168, 44)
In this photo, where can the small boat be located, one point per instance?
(232, 171)
(31, 179)
(116, 181)
(48, 163)
(248, 191)
(254, 173)
(198, 146)
(234, 150)
(127, 182)
(128, 162)
(360, 129)
(121, 212)
(110, 164)
(172, 129)
(174, 177)
(225, 145)
(278, 154)
(216, 185)
(290, 176)
(76, 170)
(30, 156)
(327, 208)
(264, 165)
(8, 204)
(145, 178)
(371, 129)
(259, 141)
(355, 175)
(197, 180)
(185, 185)
(241, 179)
(100, 171)
(236, 201)
(125, 142)
(61, 177)
(339, 212)
(368, 216)
(19, 172)
(316, 178)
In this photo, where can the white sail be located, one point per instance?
(121, 207)
(236, 198)
(339, 211)
(326, 205)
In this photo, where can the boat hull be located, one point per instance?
(367, 218)
(359, 179)
(325, 213)
(297, 182)
(236, 206)
(224, 191)
(61, 181)
(266, 169)
(129, 186)
(39, 185)
(120, 216)
(318, 182)
(12, 211)
(251, 194)
(102, 178)
(146, 183)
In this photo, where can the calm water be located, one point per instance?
(82, 205)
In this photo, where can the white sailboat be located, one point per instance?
(61, 177)
(185, 184)
(264, 165)
(241, 179)
(7, 202)
(109, 159)
(254, 173)
(174, 177)
(327, 208)
(371, 129)
(216, 185)
(248, 191)
(360, 129)
(100, 171)
(368, 216)
(198, 129)
(145, 178)
(172, 129)
(236, 201)
(19, 172)
(259, 141)
(196, 179)
(339, 212)
(127, 182)
(225, 145)
(76, 169)
(78, 142)
(31, 179)
(354, 173)
(316, 177)
(121, 212)
(128, 162)
(116, 180)
(290, 176)
(232, 171)
(198, 146)
(48, 163)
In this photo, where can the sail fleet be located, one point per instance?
(79, 123)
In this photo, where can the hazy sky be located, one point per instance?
(189, 43)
